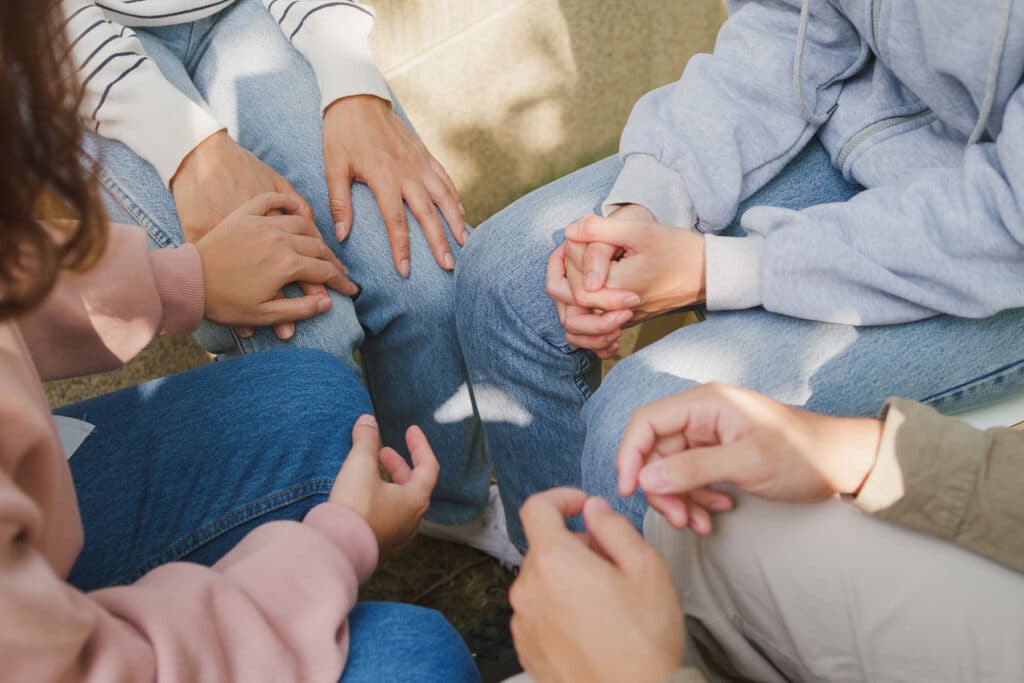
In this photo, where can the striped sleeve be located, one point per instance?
(126, 96)
(334, 36)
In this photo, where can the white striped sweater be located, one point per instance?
(127, 97)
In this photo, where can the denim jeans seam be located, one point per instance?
(995, 377)
(232, 520)
(137, 213)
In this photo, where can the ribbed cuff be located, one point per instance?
(178, 274)
(733, 272)
(337, 45)
(644, 181)
(348, 531)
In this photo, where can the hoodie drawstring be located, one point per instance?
(992, 80)
(798, 58)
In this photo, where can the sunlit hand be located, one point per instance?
(661, 264)
(719, 434)
(392, 509)
(592, 607)
(586, 325)
(216, 178)
(365, 140)
(249, 256)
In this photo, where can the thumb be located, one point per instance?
(614, 535)
(614, 231)
(339, 190)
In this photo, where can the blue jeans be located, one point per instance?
(240, 65)
(545, 424)
(180, 469)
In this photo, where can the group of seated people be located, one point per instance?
(772, 494)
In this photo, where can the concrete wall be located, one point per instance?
(511, 94)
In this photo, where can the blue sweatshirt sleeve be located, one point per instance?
(694, 149)
(949, 240)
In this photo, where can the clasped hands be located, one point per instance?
(614, 272)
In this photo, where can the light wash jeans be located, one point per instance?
(241, 66)
(182, 468)
(547, 427)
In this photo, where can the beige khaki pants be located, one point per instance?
(826, 593)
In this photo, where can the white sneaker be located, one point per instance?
(488, 533)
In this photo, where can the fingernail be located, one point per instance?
(449, 261)
(403, 267)
(614, 336)
(570, 230)
(720, 505)
(462, 209)
(624, 316)
(592, 281)
(367, 421)
(653, 478)
(598, 502)
(324, 303)
(633, 300)
(341, 230)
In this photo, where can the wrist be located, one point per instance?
(852, 448)
(197, 155)
(354, 105)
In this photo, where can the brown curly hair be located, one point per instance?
(40, 154)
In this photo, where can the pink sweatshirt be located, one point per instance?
(273, 609)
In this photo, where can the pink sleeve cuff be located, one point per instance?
(179, 284)
(348, 531)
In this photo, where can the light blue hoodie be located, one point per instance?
(920, 101)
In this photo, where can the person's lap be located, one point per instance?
(180, 469)
(953, 364)
(784, 592)
(239, 63)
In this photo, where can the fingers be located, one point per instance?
(621, 233)
(365, 438)
(673, 508)
(669, 416)
(422, 207)
(395, 465)
(581, 321)
(444, 195)
(425, 468)
(284, 330)
(308, 269)
(291, 309)
(285, 188)
(597, 260)
(392, 210)
(544, 514)
(556, 282)
(605, 299)
(698, 468)
(339, 192)
(245, 332)
(618, 540)
(262, 204)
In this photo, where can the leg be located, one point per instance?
(411, 354)
(529, 383)
(825, 593)
(396, 642)
(183, 467)
(951, 363)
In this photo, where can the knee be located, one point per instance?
(300, 386)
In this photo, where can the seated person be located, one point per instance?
(840, 190)
(199, 106)
(916, 577)
(200, 531)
